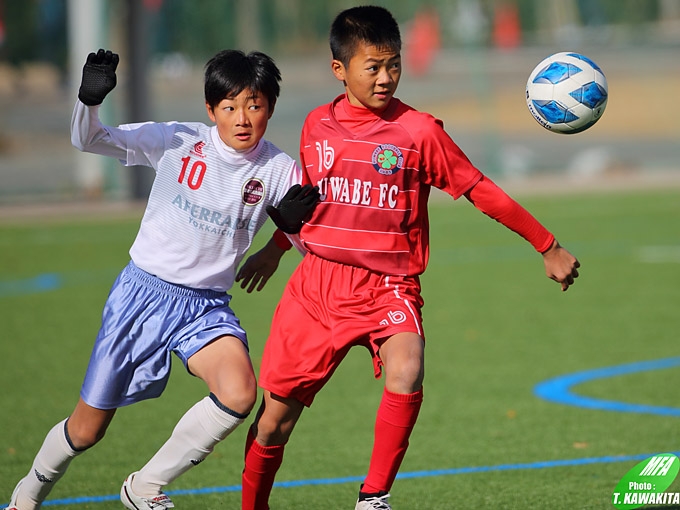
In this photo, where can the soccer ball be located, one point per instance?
(567, 93)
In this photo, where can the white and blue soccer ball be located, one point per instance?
(567, 93)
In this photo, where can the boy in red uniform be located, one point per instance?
(374, 160)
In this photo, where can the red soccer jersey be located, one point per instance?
(375, 172)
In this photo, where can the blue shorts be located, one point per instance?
(145, 319)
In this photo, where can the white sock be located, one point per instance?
(49, 466)
(192, 440)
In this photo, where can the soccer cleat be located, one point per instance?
(134, 502)
(376, 501)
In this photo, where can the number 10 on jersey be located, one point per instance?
(196, 173)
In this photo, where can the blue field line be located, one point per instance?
(50, 282)
(403, 476)
(42, 283)
(559, 389)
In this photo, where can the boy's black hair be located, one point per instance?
(369, 24)
(230, 72)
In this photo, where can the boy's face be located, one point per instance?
(242, 120)
(372, 76)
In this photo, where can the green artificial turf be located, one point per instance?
(495, 328)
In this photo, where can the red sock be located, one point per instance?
(395, 420)
(261, 465)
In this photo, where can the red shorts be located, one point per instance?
(326, 309)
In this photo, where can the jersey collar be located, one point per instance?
(232, 155)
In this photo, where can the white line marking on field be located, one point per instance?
(659, 254)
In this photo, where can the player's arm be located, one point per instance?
(560, 265)
(258, 268)
(296, 205)
(88, 134)
(99, 77)
(294, 208)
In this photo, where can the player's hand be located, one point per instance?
(560, 265)
(259, 267)
(296, 205)
(99, 77)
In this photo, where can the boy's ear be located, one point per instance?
(211, 114)
(338, 69)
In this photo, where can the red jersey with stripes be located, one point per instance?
(375, 171)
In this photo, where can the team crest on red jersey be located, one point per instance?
(387, 159)
(253, 191)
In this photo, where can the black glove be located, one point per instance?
(295, 206)
(99, 77)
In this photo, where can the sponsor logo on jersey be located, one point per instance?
(253, 192)
(210, 221)
(387, 159)
(198, 149)
(341, 189)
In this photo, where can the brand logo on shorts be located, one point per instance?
(395, 317)
(387, 159)
(253, 192)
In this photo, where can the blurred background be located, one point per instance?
(465, 61)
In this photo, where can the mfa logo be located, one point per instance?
(387, 159)
(645, 484)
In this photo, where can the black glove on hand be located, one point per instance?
(295, 206)
(99, 77)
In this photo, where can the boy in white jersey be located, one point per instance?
(208, 199)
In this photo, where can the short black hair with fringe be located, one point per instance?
(230, 72)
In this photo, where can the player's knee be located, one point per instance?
(405, 376)
(82, 437)
(242, 402)
(276, 419)
(271, 431)
(239, 395)
(403, 360)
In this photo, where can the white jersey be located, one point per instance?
(207, 200)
